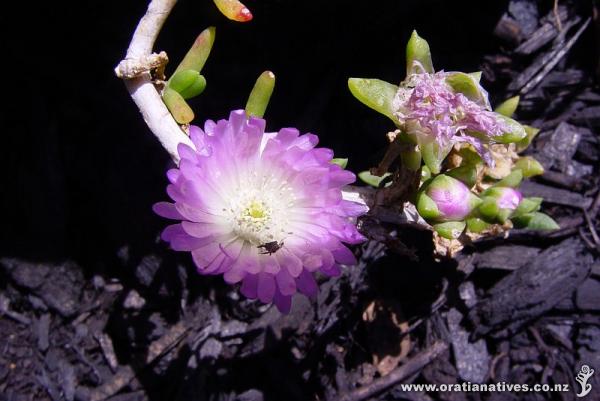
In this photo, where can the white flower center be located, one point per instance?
(259, 209)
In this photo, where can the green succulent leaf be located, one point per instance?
(466, 173)
(512, 180)
(180, 110)
(530, 133)
(234, 10)
(528, 205)
(425, 173)
(468, 86)
(477, 225)
(418, 50)
(469, 156)
(476, 75)
(374, 93)
(427, 207)
(508, 107)
(503, 215)
(371, 179)
(261, 94)
(450, 229)
(188, 83)
(489, 209)
(516, 132)
(340, 162)
(529, 166)
(535, 221)
(433, 155)
(196, 57)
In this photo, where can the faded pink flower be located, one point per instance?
(429, 106)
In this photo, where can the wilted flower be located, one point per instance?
(426, 105)
(264, 209)
(446, 199)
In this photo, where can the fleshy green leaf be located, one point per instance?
(489, 209)
(188, 83)
(417, 49)
(469, 156)
(425, 173)
(512, 180)
(450, 229)
(340, 162)
(371, 179)
(503, 215)
(433, 155)
(508, 107)
(196, 57)
(515, 132)
(427, 207)
(528, 205)
(260, 95)
(234, 10)
(477, 225)
(524, 143)
(466, 173)
(535, 221)
(529, 166)
(476, 75)
(182, 113)
(468, 86)
(374, 93)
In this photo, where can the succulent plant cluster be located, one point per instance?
(467, 153)
(267, 209)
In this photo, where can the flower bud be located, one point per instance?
(506, 198)
(499, 203)
(446, 199)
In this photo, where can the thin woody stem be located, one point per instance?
(135, 71)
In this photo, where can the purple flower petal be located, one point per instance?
(263, 209)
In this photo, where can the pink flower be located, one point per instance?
(507, 198)
(263, 209)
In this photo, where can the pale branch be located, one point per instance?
(136, 69)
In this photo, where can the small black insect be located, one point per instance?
(270, 247)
